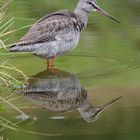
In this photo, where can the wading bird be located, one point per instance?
(58, 32)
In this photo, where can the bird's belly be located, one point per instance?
(65, 46)
(56, 48)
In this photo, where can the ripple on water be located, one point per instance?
(105, 66)
(90, 65)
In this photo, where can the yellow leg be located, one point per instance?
(51, 63)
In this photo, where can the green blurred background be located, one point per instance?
(107, 62)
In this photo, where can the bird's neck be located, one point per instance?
(83, 14)
(84, 107)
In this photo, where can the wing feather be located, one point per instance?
(47, 28)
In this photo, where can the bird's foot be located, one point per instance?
(51, 64)
(52, 70)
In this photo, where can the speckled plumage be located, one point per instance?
(59, 32)
(56, 92)
(56, 33)
(52, 35)
(62, 92)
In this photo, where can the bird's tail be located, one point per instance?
(19, 48)
(14, 48)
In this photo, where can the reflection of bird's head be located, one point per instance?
(88, 112)
(91, 113)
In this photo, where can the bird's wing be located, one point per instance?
(48, 27)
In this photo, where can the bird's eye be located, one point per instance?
(94, 5)
(90, 3)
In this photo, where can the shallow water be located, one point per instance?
(103, 67)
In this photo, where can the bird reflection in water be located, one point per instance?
(62, 92)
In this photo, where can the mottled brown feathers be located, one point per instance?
(46, 29)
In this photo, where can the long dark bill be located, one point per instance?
(99, 10)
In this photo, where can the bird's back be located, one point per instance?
(49, 29)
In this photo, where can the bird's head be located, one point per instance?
(91, 113)
(91, 5)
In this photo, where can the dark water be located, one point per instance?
(79, 101)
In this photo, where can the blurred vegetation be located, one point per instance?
(6, 79)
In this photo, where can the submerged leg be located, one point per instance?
(51, 63)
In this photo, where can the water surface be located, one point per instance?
(103, 67)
